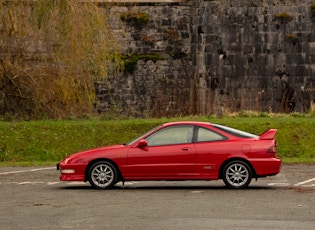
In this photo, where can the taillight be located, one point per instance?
(272, 149)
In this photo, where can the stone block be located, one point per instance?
(299, 70)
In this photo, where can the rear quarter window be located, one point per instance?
(206, 135)
(234, 132)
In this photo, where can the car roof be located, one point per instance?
(186, 123)
(230, 132)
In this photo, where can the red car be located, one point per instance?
(178, 151)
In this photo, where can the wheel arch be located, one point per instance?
(254, 175)
(89, 165)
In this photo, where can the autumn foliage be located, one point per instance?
(51, 52)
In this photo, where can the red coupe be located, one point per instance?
(178, 151)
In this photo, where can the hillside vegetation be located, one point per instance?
(47, 142)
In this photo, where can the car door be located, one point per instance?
(212, 149)
(169, 154)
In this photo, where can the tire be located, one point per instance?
(103, 175)
(237, 175)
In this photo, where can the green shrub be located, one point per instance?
(147, 39)
(284, 17)
(294, 38)
(130, 62)
(170, 34)
(137, 17)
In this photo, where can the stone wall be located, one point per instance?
(218, 57)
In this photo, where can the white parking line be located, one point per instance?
(304, 182)
(76, 183)
(30, 170)
(279, 184)
(308, 185)
(52, 183)
(30, 182)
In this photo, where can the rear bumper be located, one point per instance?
(266, 166)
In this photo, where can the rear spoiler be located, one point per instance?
(268, 135)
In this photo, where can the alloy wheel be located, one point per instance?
(237, 174)
(103, 175)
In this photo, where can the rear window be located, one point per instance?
(234, 132)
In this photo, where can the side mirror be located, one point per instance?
(142, 143)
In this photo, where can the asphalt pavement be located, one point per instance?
(34, 198)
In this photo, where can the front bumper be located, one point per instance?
(71, 172)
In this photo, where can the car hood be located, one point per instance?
(92, 152)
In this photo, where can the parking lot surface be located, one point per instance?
(34, 198)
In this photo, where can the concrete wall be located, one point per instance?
(218, 57)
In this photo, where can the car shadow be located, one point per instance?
(168, 187)
(209, 187)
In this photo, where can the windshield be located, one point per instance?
(141, 137)
(234, 132)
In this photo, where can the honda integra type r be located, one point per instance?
(178, 151)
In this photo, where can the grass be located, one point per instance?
(32, 143)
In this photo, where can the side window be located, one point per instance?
(171, 135)
(205, 135)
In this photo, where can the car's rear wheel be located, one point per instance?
(237, 174)
(103, 175)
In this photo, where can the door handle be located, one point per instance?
(185, 149)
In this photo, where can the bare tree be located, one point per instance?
(51, 52)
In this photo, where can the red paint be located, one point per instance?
(192, 160)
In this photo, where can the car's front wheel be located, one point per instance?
(237, 174)
(103, 175)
